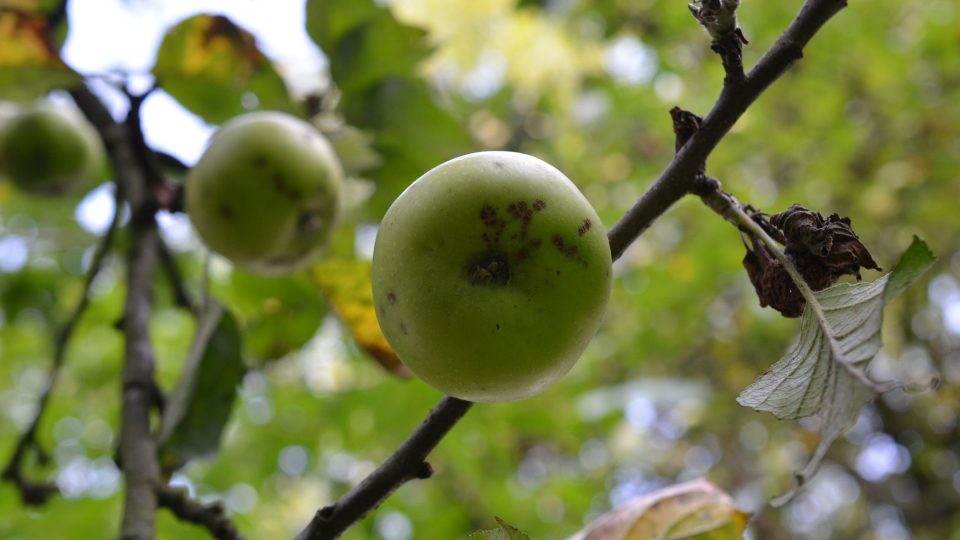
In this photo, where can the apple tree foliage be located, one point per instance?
(281, 393)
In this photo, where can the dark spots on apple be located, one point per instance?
(259, 161)
(517, 218)
(558, 272)
(498, 164)
(225, 211)
(584, 227)
(382, 311)
(520, 210)
(525, 250)
(570, 251)
(488, 215)
(308, 222)
(493, 226)
(403, 329)
(391, 298)
(489, 269)
(498, 326)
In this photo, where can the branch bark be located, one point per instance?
(209, 516)
(406, 464)
(678, 178)
(138, 449)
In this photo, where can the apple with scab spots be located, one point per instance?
(266, 192)
(48, 150)
(491, 274)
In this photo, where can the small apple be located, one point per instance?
(49, 150)
(266, 192)
(491, 273)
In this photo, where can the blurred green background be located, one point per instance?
(866, 125)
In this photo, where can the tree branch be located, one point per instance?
(210, 516)
(38, 493)
(181, 296)
(406, 464)
(678, 177)
(138, 449)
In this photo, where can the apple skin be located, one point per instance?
(491, 273)
(49, 150)
(266, 192)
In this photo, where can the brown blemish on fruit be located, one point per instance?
(259, 162)
(498, 326)
(403, 328)
(491, 269)
(308, 222)
(498, 164)
(225, 211)
(584, 227)
(570, 251)
(520, 210)
(524, 251)
(520, 247)
(391, 298)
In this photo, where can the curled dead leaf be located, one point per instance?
(822, 249)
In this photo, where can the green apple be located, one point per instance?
(266, 192)
(49, 150)
(491, 274)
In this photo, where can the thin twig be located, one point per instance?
(210, 516)
(181, 296)
(679, 176)
(34, 493)
(406, 464)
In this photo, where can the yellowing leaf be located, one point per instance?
(213, 67)
(696, 510)
(349, 292)
(29, 64)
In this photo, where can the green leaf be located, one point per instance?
(30, 65)
(200, 405)
(414, 134)
(357, 36)
(389, 99)
(914, 263)
(692, 510)
(210, 65)
(504, 531)
(824, 372)
(278, 314)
